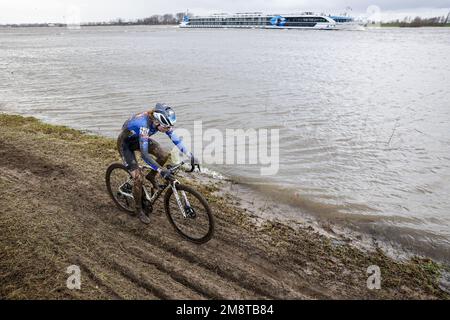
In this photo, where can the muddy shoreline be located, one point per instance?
(55, 212)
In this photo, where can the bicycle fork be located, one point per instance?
(180, 204)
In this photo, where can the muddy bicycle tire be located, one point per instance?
(198, 240)
(111, 168)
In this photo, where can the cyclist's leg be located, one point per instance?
(130, 162)
(126, 151)
(137, 189)
(161, 155)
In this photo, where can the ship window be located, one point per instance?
(306, 19)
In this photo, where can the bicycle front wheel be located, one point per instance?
(197, 225)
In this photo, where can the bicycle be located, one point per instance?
(194, 220)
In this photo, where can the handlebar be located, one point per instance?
(175, 168)
(193, 166)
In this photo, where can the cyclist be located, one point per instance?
(135, 135)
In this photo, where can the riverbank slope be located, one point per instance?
(55, 212)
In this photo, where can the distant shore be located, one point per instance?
(383, 25)
(397, 25)
(56, 213)
(62, 25)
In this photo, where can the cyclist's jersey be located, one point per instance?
(140, 128)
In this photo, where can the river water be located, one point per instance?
(364, 117)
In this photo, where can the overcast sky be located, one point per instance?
(20, 11)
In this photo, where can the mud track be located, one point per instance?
(55, 212)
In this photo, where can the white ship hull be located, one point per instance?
(260, 21)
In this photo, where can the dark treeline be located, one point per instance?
(22, 25)
(156, 19)
(419, 22)
(165, 19)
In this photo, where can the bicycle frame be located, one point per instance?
(153, 198)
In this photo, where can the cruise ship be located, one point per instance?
(306, 20)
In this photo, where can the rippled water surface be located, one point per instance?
(364, 117)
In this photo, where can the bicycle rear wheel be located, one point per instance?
(119, 184)
(198, 226)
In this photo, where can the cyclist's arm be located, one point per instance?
(178, 142)
(143, 144)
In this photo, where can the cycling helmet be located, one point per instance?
(164, 114)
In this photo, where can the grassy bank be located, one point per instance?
(55, 212)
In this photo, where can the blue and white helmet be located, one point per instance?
(164, 114)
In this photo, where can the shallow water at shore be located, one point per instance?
(364, 116)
